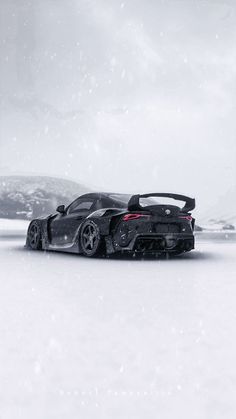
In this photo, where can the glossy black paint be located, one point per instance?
(160, 229)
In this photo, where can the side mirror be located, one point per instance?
(61, 209)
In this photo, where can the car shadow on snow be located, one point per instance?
(194, 255)
(191, 256)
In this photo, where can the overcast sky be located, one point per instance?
(126, 96)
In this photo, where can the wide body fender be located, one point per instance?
(105, 218)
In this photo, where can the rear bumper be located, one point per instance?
(154, 243)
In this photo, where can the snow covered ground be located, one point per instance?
(120, 339)
(13, 228)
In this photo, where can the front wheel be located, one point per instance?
(91, 243)
(34, 236)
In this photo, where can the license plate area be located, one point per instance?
(165, 228)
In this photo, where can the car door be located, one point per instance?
(63, 227)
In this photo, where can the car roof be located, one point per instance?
(110, 199)
(112, 195)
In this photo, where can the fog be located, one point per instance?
(124, 96)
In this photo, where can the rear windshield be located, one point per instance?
(120, 197)
(119, 200)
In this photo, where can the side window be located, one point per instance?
(81, 205)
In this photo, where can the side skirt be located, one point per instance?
(69, 247)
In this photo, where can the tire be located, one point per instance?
(91, 243)
(34, 236)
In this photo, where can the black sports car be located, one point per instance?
(106, 223)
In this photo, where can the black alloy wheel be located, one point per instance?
(90, 239)
(34, 237)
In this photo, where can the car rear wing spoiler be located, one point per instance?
(134, 205)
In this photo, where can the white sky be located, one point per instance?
(123, 96)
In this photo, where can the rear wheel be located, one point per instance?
(34, 236)
(91, 243)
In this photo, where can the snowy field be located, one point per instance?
(13, 228)
(117, 339)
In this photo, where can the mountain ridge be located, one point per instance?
(26, 197)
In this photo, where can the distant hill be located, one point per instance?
(223, 212)
(26, 197)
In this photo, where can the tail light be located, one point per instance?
(129, 217)
(186, 217)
